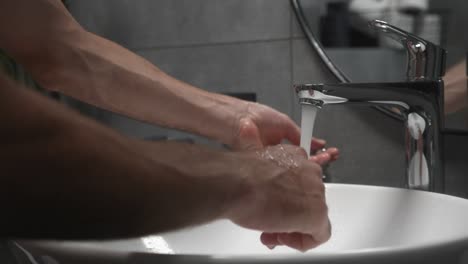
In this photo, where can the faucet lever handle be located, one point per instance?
(425, 60)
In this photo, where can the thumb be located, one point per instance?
(248, 136)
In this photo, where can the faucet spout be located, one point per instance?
(420, 103)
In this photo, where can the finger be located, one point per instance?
(335, 157)
(248, 135)
(322, 158)
(326, 157)
(293, 132)
(334, 153)
(302, 242)
(302, 153)
(325, 235)
(270, 240)
(317, 143)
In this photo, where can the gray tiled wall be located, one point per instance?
(167, 23)
(245, 46)
(258, 67)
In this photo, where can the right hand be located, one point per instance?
(282, 195)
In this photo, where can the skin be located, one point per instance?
(130, 184)
(64, 57)
(455, 88)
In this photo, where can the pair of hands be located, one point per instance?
(287, 196)
(260, 126)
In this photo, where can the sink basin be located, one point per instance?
(370, 225)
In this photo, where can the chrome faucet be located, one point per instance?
(419, 100)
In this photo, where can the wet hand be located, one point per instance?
(282, 195)
(259, 126)
(323, 155)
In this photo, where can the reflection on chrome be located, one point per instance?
(419, 100)
(418, 171)
(421, 104)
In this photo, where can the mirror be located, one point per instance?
(340, 27)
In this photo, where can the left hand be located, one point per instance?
(259, 126)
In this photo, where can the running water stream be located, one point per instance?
(309, 112)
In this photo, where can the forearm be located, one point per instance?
(455, 88)
(109, 76)
(63, 57)
(63, 176)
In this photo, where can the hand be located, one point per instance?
(284, 196)
(258, 126)
(324, 156)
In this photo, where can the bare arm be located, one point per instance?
(64, 57)
(65, 176)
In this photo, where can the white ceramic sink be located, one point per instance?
(369, 225)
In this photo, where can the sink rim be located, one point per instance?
(456, 248)
(75, 249)
(376, 251)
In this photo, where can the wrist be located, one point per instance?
(237, 184)
(208, 180)
(228, 112)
